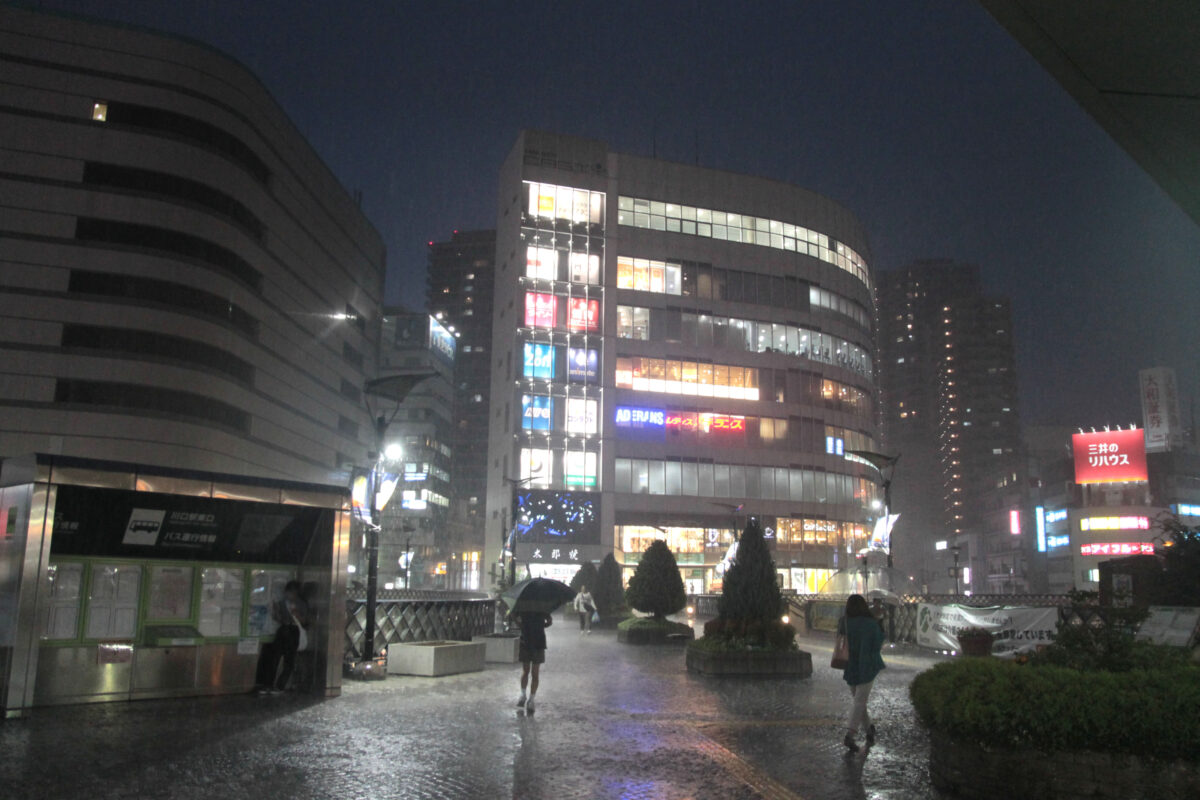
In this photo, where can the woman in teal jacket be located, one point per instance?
(865, 639)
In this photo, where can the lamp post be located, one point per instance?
(885, 467)
(378, 394)
(509, 545)
(955, 569)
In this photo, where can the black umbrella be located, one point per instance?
(537, 594)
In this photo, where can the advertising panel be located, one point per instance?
(1117, 549)
(118, 523)
(583, 364)
(536, 412)
(541, 310)
(441, 342)
(1160, 409)
(645, 424)
(1110, 456)
(541, 263)
(1013, 628)
(582, 415)
(583, 314)
(579, 468)
(551, 517)
(539, 361)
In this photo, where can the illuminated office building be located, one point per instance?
(675, 349)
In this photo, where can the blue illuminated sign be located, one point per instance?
(1186, 510)
(1039, 517)
(536, 411)
(628, 417)
(539, 361)
(1056, 516)
(835, 445)
(1058, 541)
(583, 364)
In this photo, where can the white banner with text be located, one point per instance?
(1013, 628)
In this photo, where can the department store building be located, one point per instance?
(675, 349)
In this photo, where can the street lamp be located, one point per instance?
(509, 533)
(378, 394)
(955, 569)
(885, 467)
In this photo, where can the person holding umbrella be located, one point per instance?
(531, 603)
(532, 653)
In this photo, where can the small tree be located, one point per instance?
(609, 593)
(586, 576)
(1181, 562)
(656, 586)
(751, 593)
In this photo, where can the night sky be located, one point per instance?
(925, 119)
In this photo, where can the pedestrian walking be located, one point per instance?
(586, 607)
(532, 653)
(865, 638)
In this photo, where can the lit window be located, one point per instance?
(100, 112)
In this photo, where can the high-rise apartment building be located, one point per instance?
(949, 399)
(461, 274)
(675, 349)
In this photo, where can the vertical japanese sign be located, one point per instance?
(1110, 456)
(1160, 409)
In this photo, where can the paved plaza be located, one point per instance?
(613, 722)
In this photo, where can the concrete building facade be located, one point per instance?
(675, 349)
(183, 282)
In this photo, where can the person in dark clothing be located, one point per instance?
(865, 638)
(291, 612)
(532, 653)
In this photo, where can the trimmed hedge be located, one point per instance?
(992, 702)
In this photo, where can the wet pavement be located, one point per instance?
(613, 721)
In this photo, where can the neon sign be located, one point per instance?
(1110, 456)
(541, 310)
(1114, 524)
(583, 314)
(1058, 541)
(539, 361)
(536, 411)
(583, 364)
(1117, 549)
(628, 417)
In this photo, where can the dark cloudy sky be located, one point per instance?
(921, 116)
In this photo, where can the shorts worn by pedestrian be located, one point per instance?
(532, 653)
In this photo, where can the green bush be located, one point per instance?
(993, 702)
(609, 592)
(587, 576)
(656, 587)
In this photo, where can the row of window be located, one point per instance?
(576, 314)
(749, 336)
(544, 466)
(549, 264)
(688, 479)
(577, 206)
(702, 281)
(799, 434)
(710, 223)
(687, 378)
(143, 291)
(105, 601)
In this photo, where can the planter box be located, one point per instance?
(751, 663)
(655, 636)
(433, 659)
(501, 647)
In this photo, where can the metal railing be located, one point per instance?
(414, 615)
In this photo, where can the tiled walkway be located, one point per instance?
(613, 721)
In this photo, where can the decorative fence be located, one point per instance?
(817, 612)
(418, 616)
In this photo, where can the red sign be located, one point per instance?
(541, 310)
(722, 423)
(583, 314)
(1117, 549)
(1110, 456)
